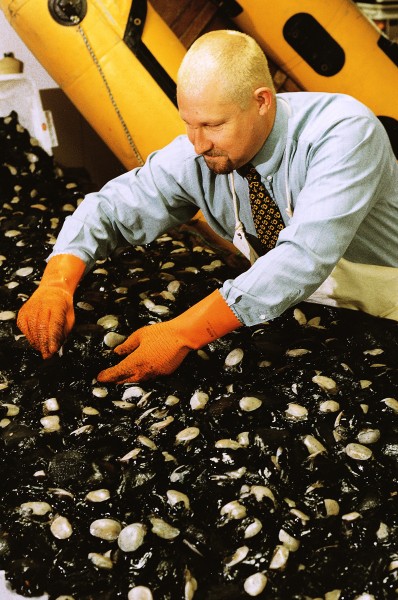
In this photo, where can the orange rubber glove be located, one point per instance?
(160, 348)
(48, 316)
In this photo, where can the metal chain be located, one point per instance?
(114, 104)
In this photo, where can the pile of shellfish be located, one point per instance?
(265, 466)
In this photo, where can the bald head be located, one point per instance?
(230, 59)
(226, 99)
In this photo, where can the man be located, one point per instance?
(325, 160)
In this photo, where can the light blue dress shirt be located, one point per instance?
(327, 163)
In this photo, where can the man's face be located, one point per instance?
(226, 135)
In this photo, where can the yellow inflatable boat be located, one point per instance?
(117, 62)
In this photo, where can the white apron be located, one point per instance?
(370, 288)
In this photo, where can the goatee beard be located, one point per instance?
(224, 169)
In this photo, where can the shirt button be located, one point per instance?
(269, 177)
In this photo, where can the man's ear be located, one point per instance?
(264, 98)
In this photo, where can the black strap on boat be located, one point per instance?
(230, 7)
(389, 48)
(132, 38)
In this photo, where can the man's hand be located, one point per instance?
(153, 350)
(159, 349)
(48, 316)
(46, 319)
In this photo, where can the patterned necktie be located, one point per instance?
(266, 216)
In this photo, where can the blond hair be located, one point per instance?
(233, 58)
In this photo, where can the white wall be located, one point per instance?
(11, 42)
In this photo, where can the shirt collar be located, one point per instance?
(269, 157)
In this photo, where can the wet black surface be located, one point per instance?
(132, 445)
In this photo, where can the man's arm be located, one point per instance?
(130, 209)
(349, 175)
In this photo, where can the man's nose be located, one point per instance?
(201, 141)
